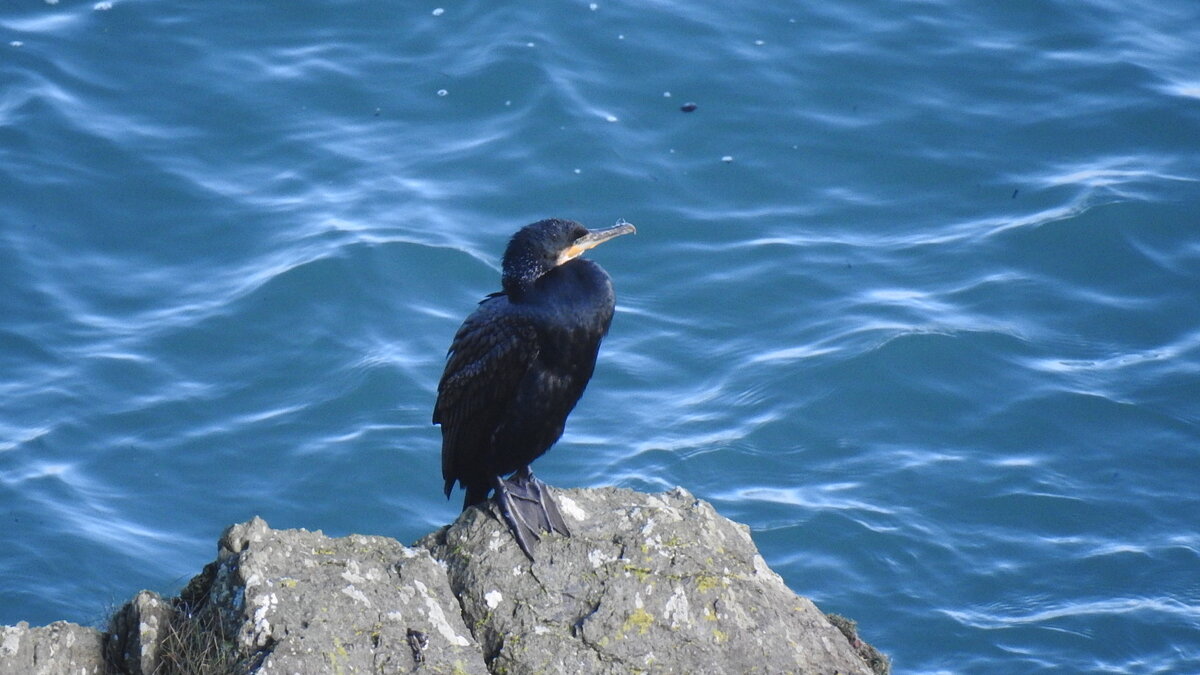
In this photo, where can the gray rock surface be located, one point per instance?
(646, 583)
(293, 601)
(136, 633)
(56, 649)
(655, 583)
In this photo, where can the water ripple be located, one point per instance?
(930, 329)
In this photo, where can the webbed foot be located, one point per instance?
(528, 509)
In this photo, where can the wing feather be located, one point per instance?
(491, 353)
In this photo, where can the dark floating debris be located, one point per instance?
(688, 107)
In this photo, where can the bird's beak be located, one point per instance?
(592, 239)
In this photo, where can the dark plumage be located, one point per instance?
(517, 367)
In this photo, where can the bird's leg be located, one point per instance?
(532, 490)
(513, 517)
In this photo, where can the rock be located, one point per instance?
(58, 648)
(877, 660)
(646, 583)
(136, 632)
(293, 601)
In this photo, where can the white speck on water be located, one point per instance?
(727, 158)
(578, 171)
(439, 11)
(666, 94)
(442, 92)
(759, 43)
(610, 118)
(593, 6)
(16, 43)
(51, 2)
(102, 6)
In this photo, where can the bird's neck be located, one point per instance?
(520, 275)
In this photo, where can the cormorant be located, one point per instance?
(518, 365)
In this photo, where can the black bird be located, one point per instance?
(517, 367)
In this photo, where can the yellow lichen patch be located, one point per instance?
(640, 572)
(337, 656)
(707, 582)
(719, 635)
(640, 619)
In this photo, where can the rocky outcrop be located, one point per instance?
(293, 601)
(58, 648)
(646, 583)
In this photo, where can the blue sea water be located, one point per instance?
(915, 291)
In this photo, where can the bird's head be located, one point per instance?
(538, 248)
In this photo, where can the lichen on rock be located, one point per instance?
(646, 583)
